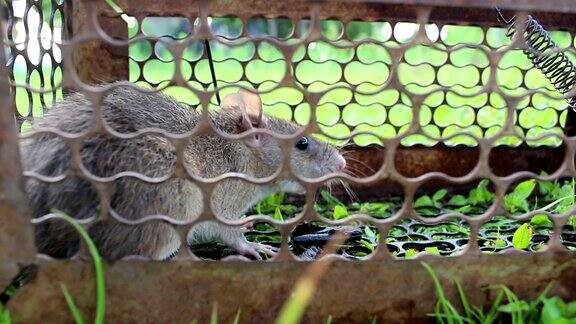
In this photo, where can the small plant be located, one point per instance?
(481, 195)
(334, 207)
(523, 236)
(506, 308)
(429, 206)
(376, 209)
(517, 200)
(275, 205)
(370, 238)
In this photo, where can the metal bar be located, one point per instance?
(457, 161)
(351, 292)
(551, 13)
(16, 238)
(96, 61)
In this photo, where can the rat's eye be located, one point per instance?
(302, 143)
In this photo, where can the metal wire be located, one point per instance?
(212, 69)
(556, 66)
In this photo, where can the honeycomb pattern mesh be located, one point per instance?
(35, 33)
(371, 87)
(451, 80)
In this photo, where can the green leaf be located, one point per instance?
(432, 250)
(424, 201)
(277, 199)
(339, 212)
(330, 200)
(367, 244)
(546, 187)
(540, 219)
(439, 195)
(370, 234)
(464, 209)
(523, 236)
(497, 243)
(524, 189)
(288, 209)
(278, 214)
(458, 200)
(552, 312)
(570, 310)
(518, 306)
(410, 253)
(376, 208)
(481, 195)
(500, 243)
(517, 199)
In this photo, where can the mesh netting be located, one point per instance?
(390, 83)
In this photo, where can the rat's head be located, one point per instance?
(310, 157)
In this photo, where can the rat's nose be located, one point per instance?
(341, 163)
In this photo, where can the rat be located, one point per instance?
(127, 109)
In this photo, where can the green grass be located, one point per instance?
(4, 315)
(506, 307)
(98, 271)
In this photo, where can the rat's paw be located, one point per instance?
(253, 249)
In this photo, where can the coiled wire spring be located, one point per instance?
(556, 66)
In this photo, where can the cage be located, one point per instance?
(456, 129)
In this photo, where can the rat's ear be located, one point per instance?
(232, 101)
(252, 102)
(250, 106)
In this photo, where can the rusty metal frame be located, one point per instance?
(350, 292)
(16, 239)
(401, 290)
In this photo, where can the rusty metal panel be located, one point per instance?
(16, 239)
(552, 13)
(94, 60)
(350, 292)
(416, 161)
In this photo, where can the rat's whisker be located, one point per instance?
(362, 163)
(349, 190)
(356, 172)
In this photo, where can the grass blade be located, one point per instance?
(98, 267)
(76, 313)
(4, 315)
(214, 317)
(463, 299)
(444, 308)
(237, 318)
(493, 312)
(293, 309)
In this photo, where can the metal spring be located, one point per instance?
(556, 66)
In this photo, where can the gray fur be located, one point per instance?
(127, 110)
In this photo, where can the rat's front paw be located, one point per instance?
(252, 249)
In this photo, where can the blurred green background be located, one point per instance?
(362, 103)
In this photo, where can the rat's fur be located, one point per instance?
(127, 110)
